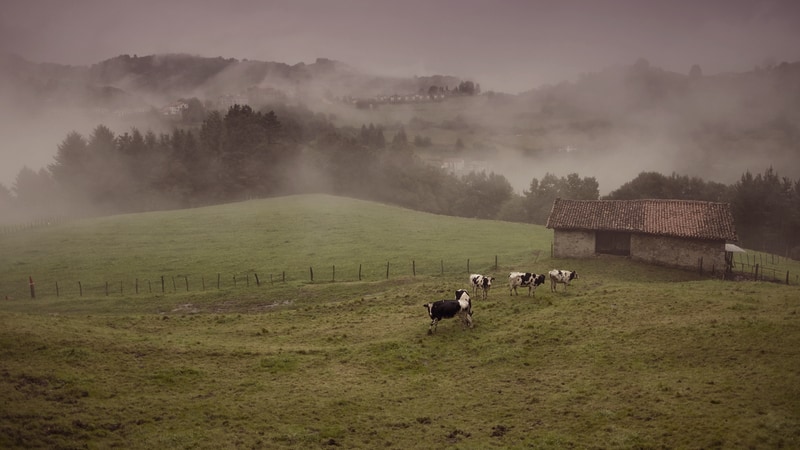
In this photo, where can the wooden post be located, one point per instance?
(756, 276)
(442, 262)
(174, 286)
(137, 286)
(413, 267)
(258, 282)
(234, 281)
(31, 284)
(387, 270)
(495, 262)
(149, 286)
(787, 282)
(203, 281)
(311, 273)
(217, 280)
(270, 279)
(359, 272)
(333, 277)
(80, 288)
(162, 284)
(186, 279)
(106, 288)
(283, 276)
(787, 278)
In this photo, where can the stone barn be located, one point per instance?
(678, 233)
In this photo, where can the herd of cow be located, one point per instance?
(462, 305)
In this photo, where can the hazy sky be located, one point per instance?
(505, 45)
(509, 46)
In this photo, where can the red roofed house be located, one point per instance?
(679, 233)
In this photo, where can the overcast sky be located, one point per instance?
(508, 46)
(505, 45)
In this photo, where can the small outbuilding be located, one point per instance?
(678, 233)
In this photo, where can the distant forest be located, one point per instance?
(244, 153)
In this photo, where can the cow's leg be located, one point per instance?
(432, 328)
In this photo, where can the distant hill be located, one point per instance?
(133, 81)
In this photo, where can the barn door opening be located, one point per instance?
(613, 243)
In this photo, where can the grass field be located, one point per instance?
(629, 356)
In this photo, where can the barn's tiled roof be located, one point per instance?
(678, 218)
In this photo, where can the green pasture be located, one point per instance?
(628, 356)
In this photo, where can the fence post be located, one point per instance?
(283, 276)
(80, 288)
(359, 272)
(787, 278)
(413, 267)
(442, 262)
(756, 277)
(258, 282)
(186, 279)
(217, 280)
(137, 286)
(311, 273)
(162, 284)
(387, 270)
(31, 284)
(787, 282)
(333, 277)
(174, 286)
(203, 281)
(495, 262)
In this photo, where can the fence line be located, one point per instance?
(170, 284)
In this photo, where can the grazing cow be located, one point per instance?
(447, 309)
(524, 279)
(481, 282)
(561, 276)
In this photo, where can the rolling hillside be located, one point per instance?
(627, 356)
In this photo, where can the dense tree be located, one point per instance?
(34, 192)
(656, 185)
(483, 195)
(400, 140)
(70, 168)
(541, 195)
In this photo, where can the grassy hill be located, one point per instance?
(629, 356)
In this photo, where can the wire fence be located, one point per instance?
(47, 287)
(761, 267)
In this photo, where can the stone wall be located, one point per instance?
(662, 250)
(678, 252)
(573, 244)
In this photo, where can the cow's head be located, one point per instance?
(573, 275)
(538, 280)
(462, 293)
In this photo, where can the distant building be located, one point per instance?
(677, 233)
(175, 108)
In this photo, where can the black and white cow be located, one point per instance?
(481, 282)
(561, 276)
(524, 279)
(447, 309)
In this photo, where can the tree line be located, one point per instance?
(245, 153)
